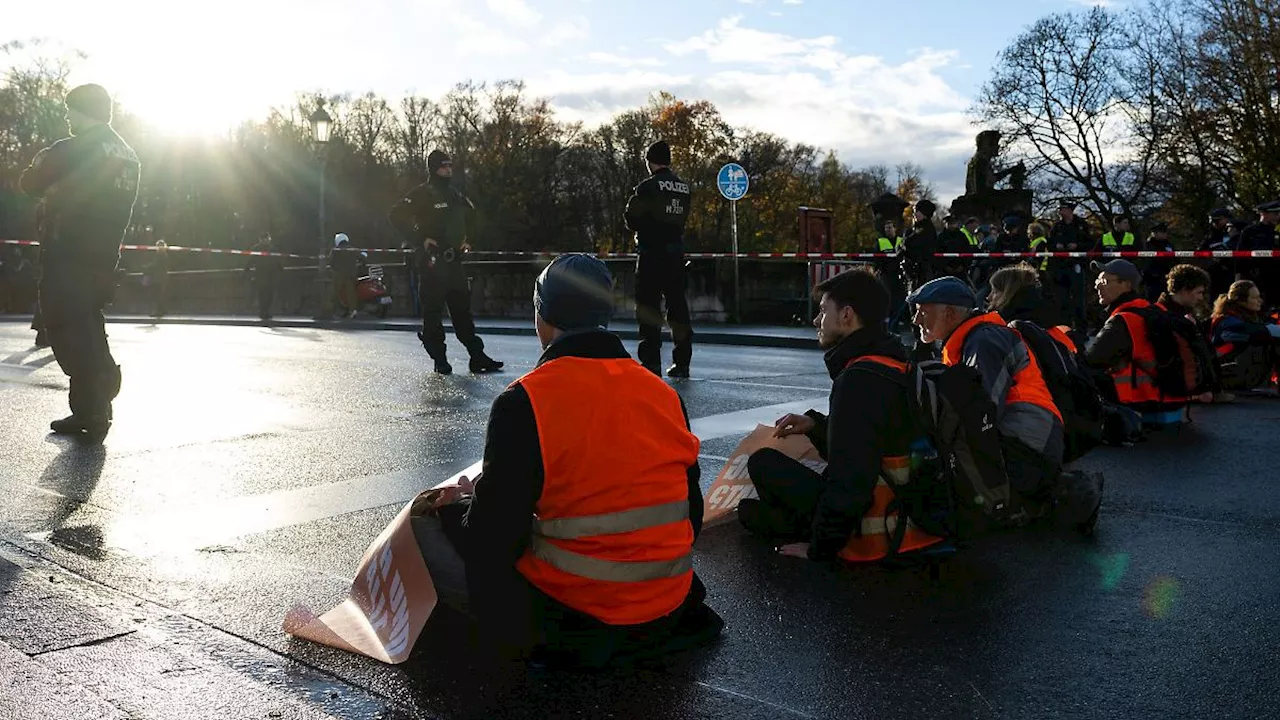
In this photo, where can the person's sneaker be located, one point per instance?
(484, 364)
(443, 367)
(1080, 500)
(678, 371)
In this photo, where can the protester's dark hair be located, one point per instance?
(860, 289)
(1007, 282)
(1186, 277)
(1233, 303)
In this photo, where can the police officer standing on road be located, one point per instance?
(1069, 234)
(656, 213)
(433, 217)
(88, 184)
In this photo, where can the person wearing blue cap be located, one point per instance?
(1029, 423)
(588, 458)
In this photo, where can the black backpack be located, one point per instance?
(1184, 366)
(1073, 389)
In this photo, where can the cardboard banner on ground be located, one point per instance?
(391, 597)
(733, 483)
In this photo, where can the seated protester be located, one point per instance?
(1018, 294)
(1030, 426)
(1123, 348)
(1247, 346)
(578, 537)
(1184, 294)
(867, 436)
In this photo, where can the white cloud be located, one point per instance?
(564, 31)
(806, 89)
(792, 2)
(604, 58)
(516, 12)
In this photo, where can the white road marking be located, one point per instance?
(183, 528)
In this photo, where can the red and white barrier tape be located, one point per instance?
(749, 255)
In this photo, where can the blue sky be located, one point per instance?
(877, 82)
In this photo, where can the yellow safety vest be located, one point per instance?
(887, 245)
(1109, 240)
(1036, 247)
(973, 239)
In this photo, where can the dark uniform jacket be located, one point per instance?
(435, 211)
(869, 420)
(657, 212)
(1112, 345)
(512, 613)
(89, 184)
(918, 247)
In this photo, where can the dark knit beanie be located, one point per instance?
(436, 159)
(91, 100)
(574, 292)
(659, 153)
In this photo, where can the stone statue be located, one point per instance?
(982, 176)
(981, 198)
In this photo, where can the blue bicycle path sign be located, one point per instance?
(732, 181)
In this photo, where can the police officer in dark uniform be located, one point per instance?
(656, 213)
(1262, 235)
(918, 246)
(1069, 234)
(433, 217)
(88, 184)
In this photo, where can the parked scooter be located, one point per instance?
(371, 292)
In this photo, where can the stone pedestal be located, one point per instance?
(991, 206)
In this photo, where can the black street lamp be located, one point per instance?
(321, 124)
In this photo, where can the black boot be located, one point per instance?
(678, 371)
(481, 363)
(1078, 500)
(443, 367)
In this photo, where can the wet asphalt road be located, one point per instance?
(249, 468)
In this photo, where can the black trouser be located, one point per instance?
(439, 288)
(788, 492)
(659, 276)
(71, 303)
(266, 298)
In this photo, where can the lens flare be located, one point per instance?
(1158, 599)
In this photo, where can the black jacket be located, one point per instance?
(433, 211)
(1029, 304)
(918, 247)
(869, 419)
(88, 184)
(1112, 346)
(511, 613)
(657, 212)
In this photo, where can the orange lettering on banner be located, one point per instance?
(733, 484)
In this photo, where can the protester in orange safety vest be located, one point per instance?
(1246, 342)
(1030, 425)
(579, 532)
(1123, 347)
(865, 439)
(1184, 294)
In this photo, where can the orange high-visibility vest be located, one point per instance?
(1136, 380)
(612, 536)
(1028, 383)
(1059, 333)
(871, 543)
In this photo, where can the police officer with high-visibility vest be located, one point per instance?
(866, 438)
(579, 533)
(1121, 238)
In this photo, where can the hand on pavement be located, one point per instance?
(796, 550)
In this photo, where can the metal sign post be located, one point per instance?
(733, 183)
